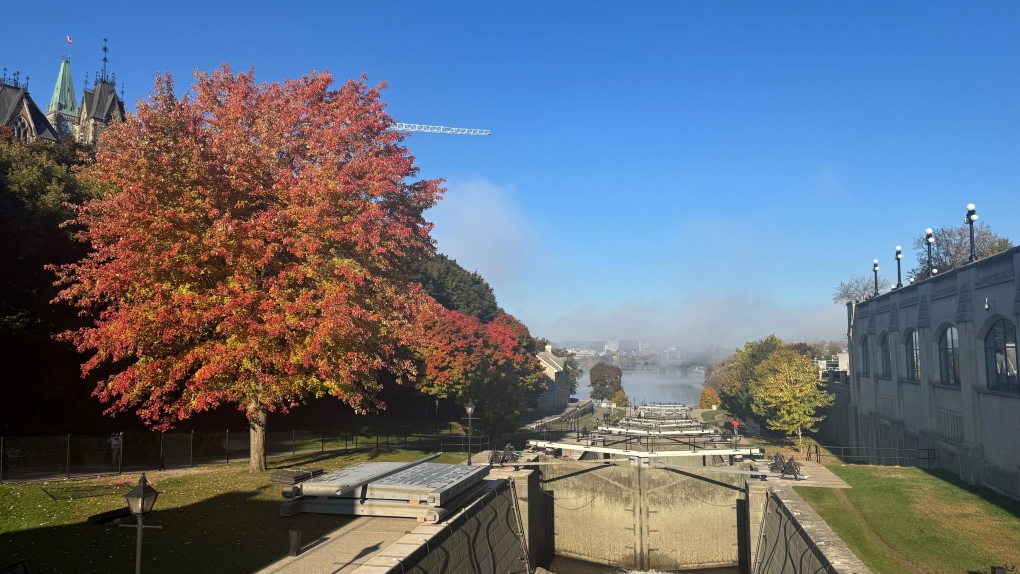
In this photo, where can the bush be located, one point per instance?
(708, 398)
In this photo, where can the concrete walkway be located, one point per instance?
(345, 549)
(818, 475)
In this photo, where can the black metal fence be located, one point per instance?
(53, 457)
(919, 457)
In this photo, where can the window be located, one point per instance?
(865, 360)
(886, 362)
(1000, 357)
(913, 357)
(949, 357)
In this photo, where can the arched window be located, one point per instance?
(865, 360)
(884, 352)
(913, 357)
(1000, 357)
(949, 357)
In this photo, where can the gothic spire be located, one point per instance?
(63, 99)
(105, 50)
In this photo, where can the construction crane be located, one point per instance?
(401, 127)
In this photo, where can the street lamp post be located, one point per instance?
(972, 216)
(140, 500)
(929, 237)
(875, 269)
(470, 408)
(899, 278)
(437, 414)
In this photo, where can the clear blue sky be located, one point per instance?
(702, 172)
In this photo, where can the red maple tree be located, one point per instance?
(252, 247)
(494, 364)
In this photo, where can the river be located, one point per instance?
(652, 387)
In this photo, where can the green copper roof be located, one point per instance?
(63, 99)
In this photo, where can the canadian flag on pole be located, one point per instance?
(69, 40)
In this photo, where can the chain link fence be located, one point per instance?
(55, 457)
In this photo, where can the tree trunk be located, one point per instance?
(800, 440)
(257, 423)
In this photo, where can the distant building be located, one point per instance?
(933, 365)
(84, 119)
(557, 381)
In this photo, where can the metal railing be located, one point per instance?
(882, 456)
(55, 457)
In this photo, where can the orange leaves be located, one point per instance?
(251, 247)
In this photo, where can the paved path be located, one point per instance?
(345, 549)
(818, 475)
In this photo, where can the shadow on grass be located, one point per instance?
(1004, 502)
(232, 532)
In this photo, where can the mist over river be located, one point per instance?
(649, 386)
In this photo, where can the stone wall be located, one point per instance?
(793, 539)
(482, 537)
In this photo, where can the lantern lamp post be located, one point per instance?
(899, 277)
(140, 501)
(929, 237)
(971, 217)
(470, 408)
(875, 269)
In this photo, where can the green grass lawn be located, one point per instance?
(216, 518)
(712, 417)
(906, 520)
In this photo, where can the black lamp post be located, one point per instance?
(875, 269)
(899, 278)
(972, 216)
(437, 414)
(929, 236)
(140, 500)
(470, 408)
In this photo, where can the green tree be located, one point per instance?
(458, 289)
(38, 192)
(735, 388)
(571, 362)
(605, 381)
(709, 398)
(786, 393)
(715, 374)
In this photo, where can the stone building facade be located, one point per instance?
(83, 118)
(557, 381)
(934, 365)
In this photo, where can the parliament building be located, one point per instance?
(83, 117)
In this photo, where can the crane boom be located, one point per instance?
(401, 127)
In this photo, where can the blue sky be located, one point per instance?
(691, 172)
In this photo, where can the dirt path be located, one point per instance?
(907, 565)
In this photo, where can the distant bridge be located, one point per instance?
(675, 366)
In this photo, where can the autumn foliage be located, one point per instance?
(492, 363)
(252, 246)
(709, 398)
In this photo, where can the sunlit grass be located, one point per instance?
(219, 516)
(899, 519)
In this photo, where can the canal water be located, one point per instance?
(648, 386)
(561, 565)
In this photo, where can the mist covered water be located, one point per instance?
(652, 387)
